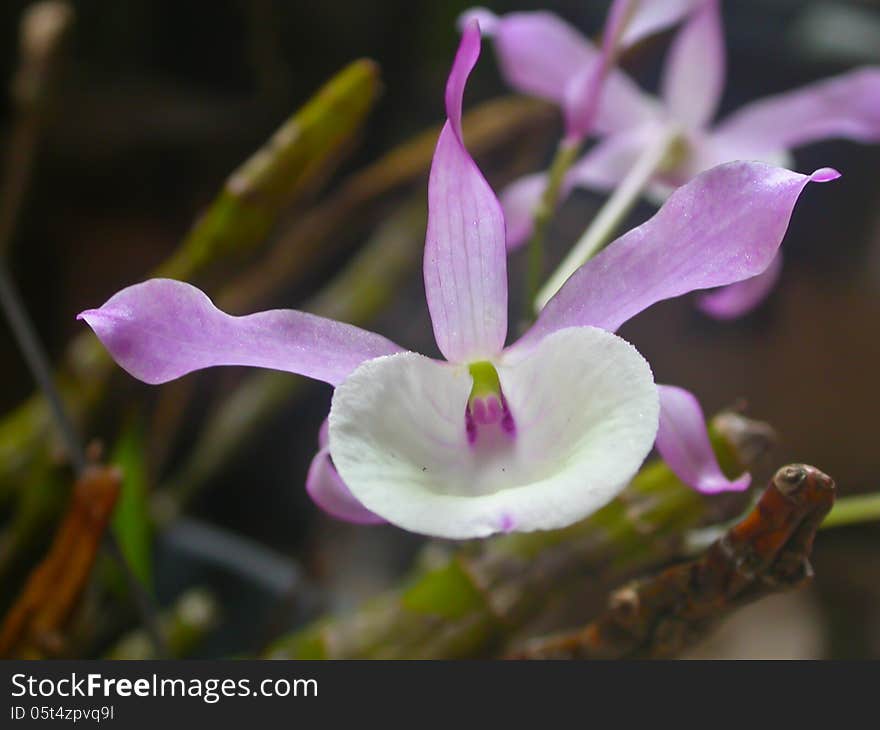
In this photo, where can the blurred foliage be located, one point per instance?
(131, 518)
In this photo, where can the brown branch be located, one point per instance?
(660, 616)
(34, 625)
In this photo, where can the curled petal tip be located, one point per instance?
(465, 60)
(711, 486)
(683, 443)
(89, 315)
(824, 174)
(486, 20)
(743, 482)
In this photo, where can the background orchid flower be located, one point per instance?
(542, 55)
(845, 106)
(532, 436)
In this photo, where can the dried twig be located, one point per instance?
(660, 616)
(35, 623)
(43, 29)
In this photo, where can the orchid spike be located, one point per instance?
(532, 436)
(846, 106)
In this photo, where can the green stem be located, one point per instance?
(38, 362)
(565, 156)
(853, 511)
(610, 216)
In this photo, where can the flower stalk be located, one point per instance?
(566, 154)
(601, 230)
(855, 510)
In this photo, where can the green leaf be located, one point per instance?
(131, 522)
(300, 154)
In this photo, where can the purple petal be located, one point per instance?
(845, 106)
(735, 300)
(161, 329)
(683, 442)
(722, 227)
(465, 262)
(522, 43)
(519, 200)
(541, 55)
(609, 160)
(693, 79)
(486, 18)
(330, 493)
(653, 16)
(584, 91)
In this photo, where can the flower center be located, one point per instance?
(678, 149)
(486, 407)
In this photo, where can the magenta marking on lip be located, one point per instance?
(494, 410)
(470, 427)
(507, 422)
(485, 412)
(479, 411)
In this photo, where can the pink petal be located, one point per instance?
(584, 91)
(541, 55)
(609, 160)
(722, 227)
(693, 79)
(330, 493)
(465, 263)
(845, 106)
(161, 329)
(653, 16)
(519, 200)
(523, 42)
(735, 300)
(683, 442)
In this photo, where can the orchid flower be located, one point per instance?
(845, 106)
(535, 435)
(542, 55)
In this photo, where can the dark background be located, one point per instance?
(159, 101)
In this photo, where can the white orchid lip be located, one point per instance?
(586, 412)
